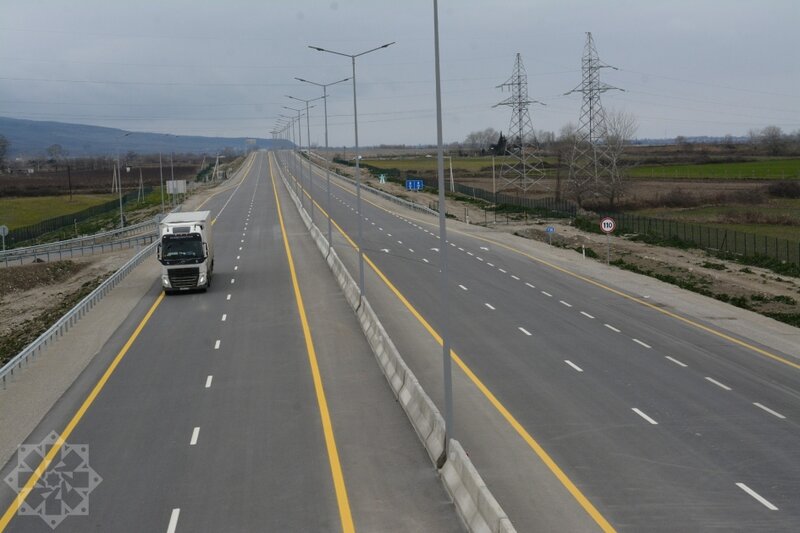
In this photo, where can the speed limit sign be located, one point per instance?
(608, 225)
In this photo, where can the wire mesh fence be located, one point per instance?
(711, 238)
(27, 233)
(714, 239)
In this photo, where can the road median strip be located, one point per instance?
(474, 503)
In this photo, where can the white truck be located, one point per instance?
(185, 251)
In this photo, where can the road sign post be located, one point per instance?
(3, 233)
(550, 230)
(607, 226)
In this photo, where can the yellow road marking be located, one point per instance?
(590, 509)
(42, 468)
(65, 434)
(327, 425)
(563, 270)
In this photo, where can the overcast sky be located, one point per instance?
(688, 67)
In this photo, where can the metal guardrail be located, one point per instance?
(384, 195)
(72, 316)
(78, 241)
(80, 251)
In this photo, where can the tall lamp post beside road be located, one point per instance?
(445, 311)
(308, 144)
(327, 163)
(299, 147)
(292, 138)
(360, 242)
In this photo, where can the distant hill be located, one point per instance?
(32, 138)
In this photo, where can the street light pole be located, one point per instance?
(360, 242)
(327, 163)
(291, 161)
(161, 174)
(299, 146)
(308, 144)
(445, 314)
(119, 183)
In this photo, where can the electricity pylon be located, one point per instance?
(592, 165)
(521, 167)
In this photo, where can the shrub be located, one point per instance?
(784, 189)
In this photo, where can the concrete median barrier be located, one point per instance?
(474, 502)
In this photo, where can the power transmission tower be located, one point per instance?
(521, 167)
(592, 165)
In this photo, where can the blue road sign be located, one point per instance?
(550, 229)
(414, 185)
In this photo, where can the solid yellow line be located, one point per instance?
(685, 320)
(42, 468)
(590, 509)
(327, 425)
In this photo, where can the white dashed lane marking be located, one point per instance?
(770, 411)
(760, 499)
(717, 383)
(640, 413)
(684, 365)
(637, 341)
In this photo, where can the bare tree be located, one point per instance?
(728, 142)
(773, 140)
(620, 129)
(567, 137)
(56, 153)
(481, 140)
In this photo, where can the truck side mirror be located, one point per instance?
(158, 251)
(205, 250)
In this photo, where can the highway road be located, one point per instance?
(645, 419)
(257, 406)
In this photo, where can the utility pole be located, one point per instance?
(69, 182)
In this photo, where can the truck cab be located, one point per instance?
(185, 251)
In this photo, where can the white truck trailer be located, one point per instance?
(185, 251)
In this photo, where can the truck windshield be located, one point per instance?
(182, 247)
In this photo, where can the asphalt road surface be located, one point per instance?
(238, 409)
(651, 423)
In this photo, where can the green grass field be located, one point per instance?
(23, 211)
(721, 216)
(471, 164)
(770, 169)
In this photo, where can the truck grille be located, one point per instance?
(183, 278)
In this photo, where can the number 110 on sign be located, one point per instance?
(608, 225)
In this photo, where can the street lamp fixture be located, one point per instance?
(327, 162)
(299, 145)
(308, 144)
(360, 242)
